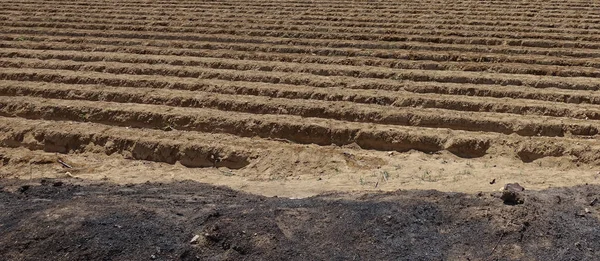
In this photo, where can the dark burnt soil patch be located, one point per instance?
(62, 221)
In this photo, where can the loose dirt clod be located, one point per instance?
(512, 194)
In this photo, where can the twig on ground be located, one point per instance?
(64, 164)
(497, 243)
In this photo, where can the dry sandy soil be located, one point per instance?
(317, 102)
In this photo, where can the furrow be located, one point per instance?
(332, 4)
(293, 101)
(471, 25)
(375, 21)
(189, 149)
(248, 50)
(189, 41)
(195, 149)
(431, 118)
(285, 90)
(306, 131)
(405, 32)
(449, 37)
(590, 16)
(311, 75)
(186, 58)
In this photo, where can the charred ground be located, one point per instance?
(50, 219)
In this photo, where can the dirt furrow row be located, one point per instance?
(191, 41)
(192, 14)
(292, 128)
(375, 22)
(325, 26)
(188, 148)
(292, 91)
(336, 6)
(280, 102)
(191, 58)
(194, 149)
(310, 75)
(331, 4)
(425, 36)
(404, 116)
(550, 4)
(474, 20)
(339, 11)
(307, 53)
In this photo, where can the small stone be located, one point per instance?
(587, 210)
(593, 203)
(195, 239)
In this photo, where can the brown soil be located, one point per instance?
(296, 99)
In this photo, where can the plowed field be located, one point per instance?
(370, 130)
(302, 96)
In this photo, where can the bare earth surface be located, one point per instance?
(317, 102)
(50, 219)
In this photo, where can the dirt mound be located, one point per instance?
(60, 221)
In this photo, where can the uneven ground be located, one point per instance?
(50, 220)
(298, 98)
